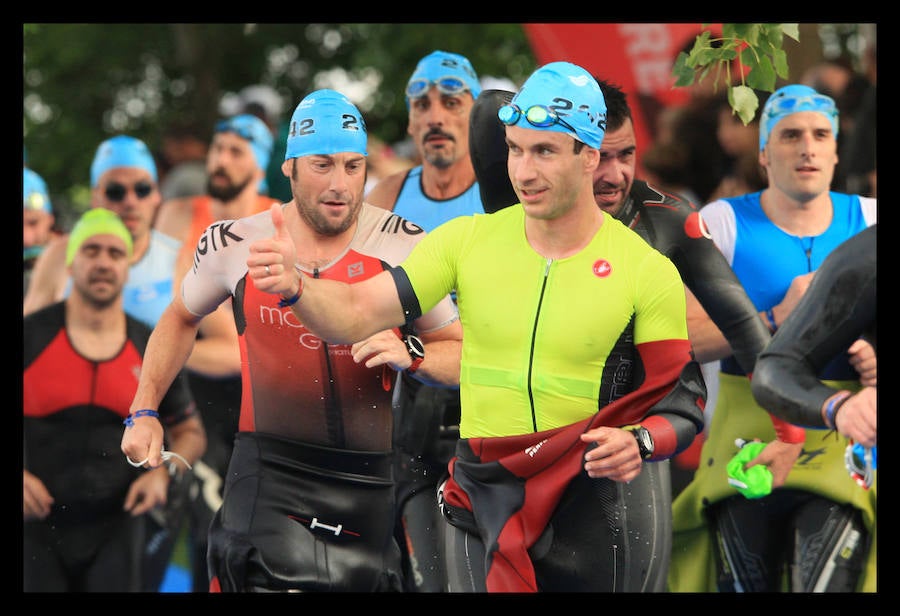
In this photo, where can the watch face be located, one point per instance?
(645, 442)
(415, 347)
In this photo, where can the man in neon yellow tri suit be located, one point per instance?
(576, 372)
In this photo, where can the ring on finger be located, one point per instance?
(268, 271)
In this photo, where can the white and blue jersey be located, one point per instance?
(414, 205)
(766, 258)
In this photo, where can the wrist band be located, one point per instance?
(287, 303)
(834, 404)
(771, 317)
(129, 421)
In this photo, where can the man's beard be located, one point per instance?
(228, 192)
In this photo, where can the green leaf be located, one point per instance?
(744, 102)
(763, 76)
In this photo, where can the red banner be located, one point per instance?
(636, 56)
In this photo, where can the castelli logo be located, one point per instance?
(695, 227)
(602, 268)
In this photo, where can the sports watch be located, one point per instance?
(416, 352)
(644, 440)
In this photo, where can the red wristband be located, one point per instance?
(787, 432)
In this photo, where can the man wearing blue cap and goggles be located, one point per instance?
(308, 499)
(775, 240)
(537, 465)
(440, 95)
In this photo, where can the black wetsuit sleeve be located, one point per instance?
(488, 150)
(676, 230)
(838, 308)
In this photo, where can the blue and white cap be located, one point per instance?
(34, 192)
(255, 131)
(437, 67)
(569, 91)
(122, 151)
(792, 99)
(326, 122)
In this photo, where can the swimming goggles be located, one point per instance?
(861, 463)
(791, 104)
(446, 85)
(536, 115)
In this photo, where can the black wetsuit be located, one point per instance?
(838, 308)
(72, 430)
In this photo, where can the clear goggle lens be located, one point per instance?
(446, 85)
(813, 102)
(540, 116)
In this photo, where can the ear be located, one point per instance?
(591, 158)
(286, 167)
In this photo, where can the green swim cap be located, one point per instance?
(98, 221)
(753, 482)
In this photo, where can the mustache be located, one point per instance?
(436, 132)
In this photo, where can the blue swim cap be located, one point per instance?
(571, 93)
(326, 122)
(440, 64)
(34, 192)
(122, 151)
(97, 221)
(791, 99)
(255, 131)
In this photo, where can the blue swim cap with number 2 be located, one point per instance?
(326, 122)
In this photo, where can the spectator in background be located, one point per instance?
(83, 505)
(182, 161)
(38, 221)
(440, 94)
(267, 104)
(740, 144)
(861, 147)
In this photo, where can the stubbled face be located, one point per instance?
(615, 173)
(230, 166)
(439, 126)
(801, 155)
(328, 189)
(99, 269)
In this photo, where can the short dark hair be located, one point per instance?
(617, 109)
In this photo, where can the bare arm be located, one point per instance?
(216, 352)
(166, 353)
(48, 278)
(384, 194)
(335, 311)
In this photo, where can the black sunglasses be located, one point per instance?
(116, 192)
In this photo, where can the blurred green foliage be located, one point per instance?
(83, 83)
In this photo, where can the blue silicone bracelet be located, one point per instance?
(129, 421)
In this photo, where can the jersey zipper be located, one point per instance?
(537, 318)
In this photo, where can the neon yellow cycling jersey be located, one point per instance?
(540, 335)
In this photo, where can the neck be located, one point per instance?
(801, 217)
(241, 206)
(97, 333)
(315, 250)
(448, 182)
(568, 234)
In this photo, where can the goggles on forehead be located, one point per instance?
(536, 115)
(861, 463)
(445, 85)
(791, 104)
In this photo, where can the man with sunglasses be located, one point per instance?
(565, 311)
(83, 505)
(124, 180)
(439, 96)
(309, 494)
(813, 532)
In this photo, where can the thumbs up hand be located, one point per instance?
(271, 261)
